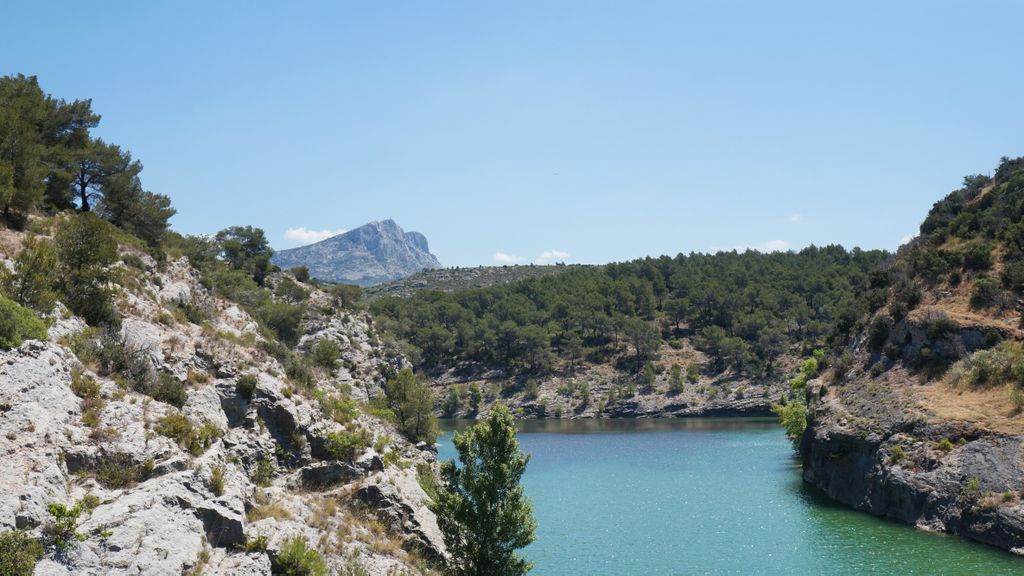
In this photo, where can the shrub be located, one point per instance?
(996, 366)
(217, 480)
(63, 528)
(897, 454)
(290, 291)
(978, 256)
(793, 417)
(35, 272)
(296, 558)
(263, 472)
(941, 327)
(284, 319)
(85, 247)
(119, 470)
(878, 335)
(19, 553)
(301, 273)
(18, 324)
(345, 445)
(84, 386)
(341, 410)
(325, 354)
(452, 402)
(532, 389)
(985, 293)
(167, 388)
(945, 445)
(245, 386)
(256, 544)
(194, 439)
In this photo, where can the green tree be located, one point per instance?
(92, 165)
(675, 380)
(648, 378)
(35, 272)
(85, 247)
(246, 248)
(126, 205)
(475, 397)
(644, 339)
(481, 508)
(793, 417)
(410, 398)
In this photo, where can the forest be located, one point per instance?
(744, 310)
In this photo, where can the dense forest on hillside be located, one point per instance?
(745, 310)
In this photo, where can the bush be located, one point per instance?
(878, 334)
(85, 248)
(288, 290)
(284, 319)
(35, 272)
(167, 388)
(119, 470)
(793, 417)
(84, 386)
(263, 472)
(325, 354)
(978, 256)
(194, 439)
(19, 553)
(1003, 364)
(245, 386)
(941, 327)
(985, 293)
(217, 480)
(296, 558)
(18, 324)
(63, 528)
(897, 454)
(345, 445)
(301, 273)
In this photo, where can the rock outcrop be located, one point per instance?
(225, 503)
(372, 254)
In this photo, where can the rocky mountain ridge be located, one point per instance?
(226, 483)
(371, 254)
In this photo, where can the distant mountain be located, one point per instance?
(372, 254)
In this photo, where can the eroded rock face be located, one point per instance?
(160, 506)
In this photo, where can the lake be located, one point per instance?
(706, 496)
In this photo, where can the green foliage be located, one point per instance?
(31, 282)
(648, 378)
(301, 273)
(325, 354)
(410, 398)
(194, 439)
(878, 334)
(289, 290)
(216, 482)
(998, 366)
(119, 470)
(793, 417)
(747, 308)
(85, 248)
(340, 409)
(263, 472)
(345, 445)
(297, 558)
(474, 397)
(167, 388)
(284, 319)
(481, 509)
(531, 389)
(897, 454)
(18, 324)
(985, 293)
(19, 553)
(945, 445)
(245, 386)
(63, 527)
(452, 402)
(245, 248)
(675, 380)
(346, 296)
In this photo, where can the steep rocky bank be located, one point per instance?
(220, 485)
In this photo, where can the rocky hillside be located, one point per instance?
(371, 254)
(243, 468)
(920, 417)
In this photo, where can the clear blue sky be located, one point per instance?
(602, 130)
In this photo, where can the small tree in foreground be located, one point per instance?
(480, 506)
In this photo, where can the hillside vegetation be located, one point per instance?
(920, 417)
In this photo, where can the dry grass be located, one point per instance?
(989, 409)
(269, 510)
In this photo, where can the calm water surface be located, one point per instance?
(706, 496)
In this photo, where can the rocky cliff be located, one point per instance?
(222, 485)
(919, 418)
(371, 254)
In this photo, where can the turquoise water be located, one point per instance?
(707, 496)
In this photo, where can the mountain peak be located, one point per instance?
(373, 253)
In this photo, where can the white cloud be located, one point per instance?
(305, 236)
(795, 217)
(507, 258)
(906, 239)
(765, 247)
(551, 256)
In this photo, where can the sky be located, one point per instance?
(539, 131)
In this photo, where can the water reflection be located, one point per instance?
(618, 425)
